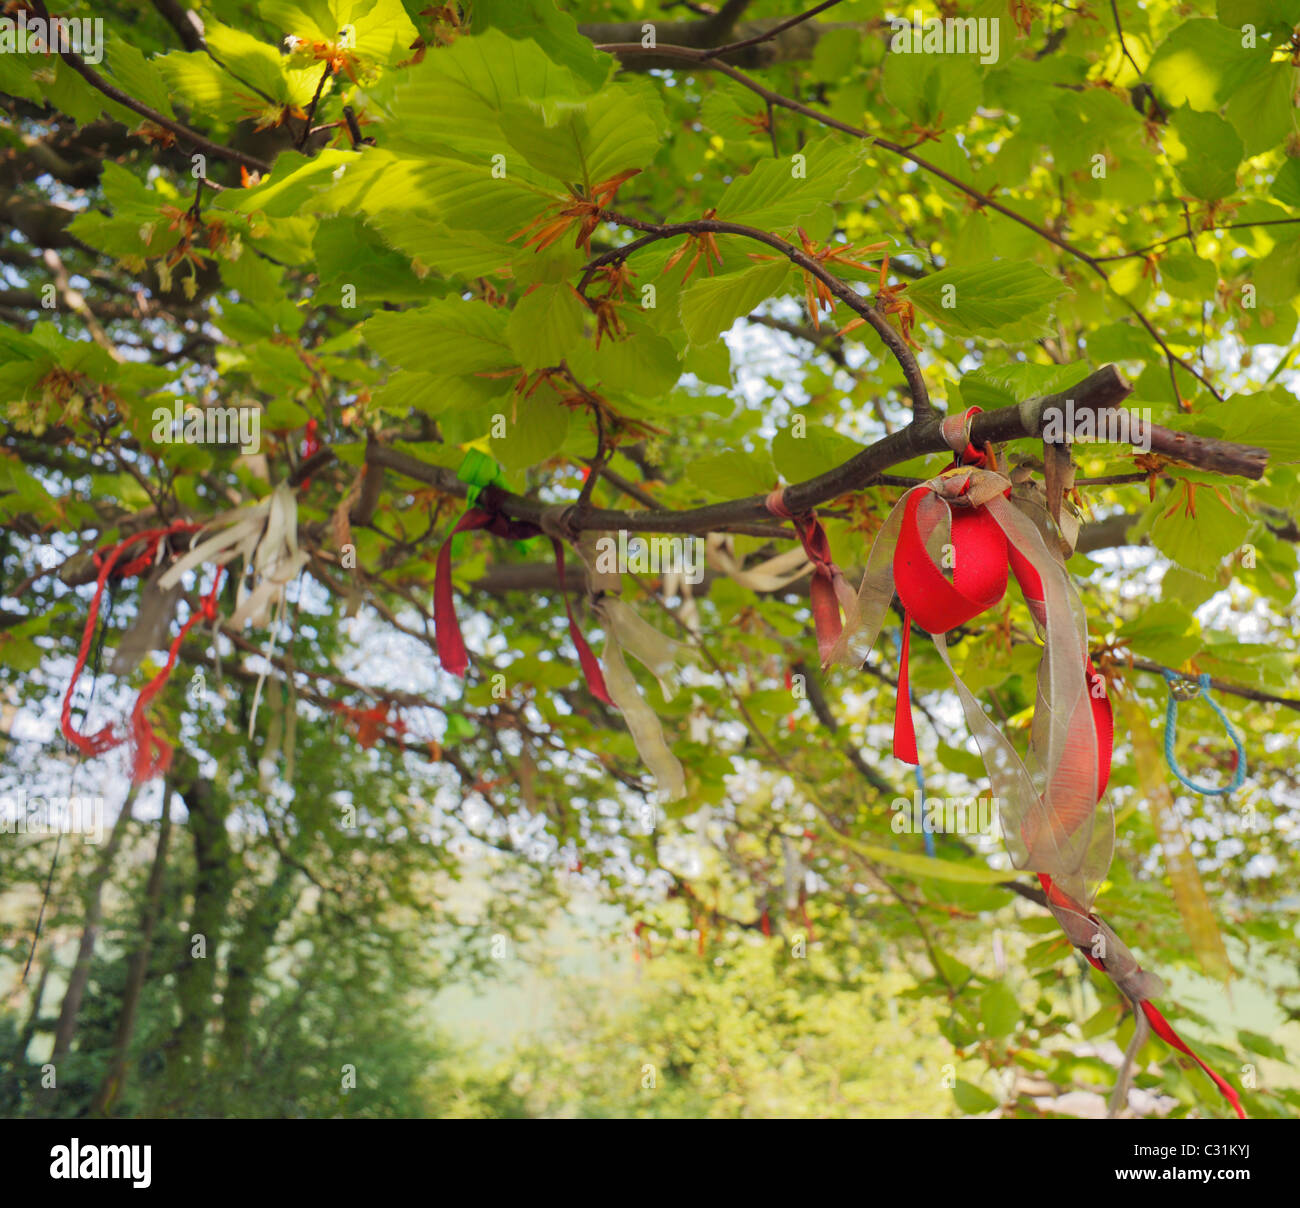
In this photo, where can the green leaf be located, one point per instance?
(1252, 663)
(732, 474)
(445, 337)
(1262, 14)
(541, 22)
(1286, 184)
(1197, 542)
(999, 1011)
(641, 362)
(18, 80)
(933, 91)
(799, 458)
(998, 296)
(931, 868)
(1186, 275)
(1186, 589)
(1269, 420)
(138, 76)
(537, 431)
(1201, 65)
(1261, 109)
(1205, 152)
(972, 1100)
(710, 305)
(1261, 1045)
(260, 65)
(777, 193)
(1164, 632)
(296, 182)
(586, 141)
(1004, 385)
(1101, 1022)
(1121, 342)
(475, 79)
(381, 31)
(348, 253)
(545, 325)
(730, 116)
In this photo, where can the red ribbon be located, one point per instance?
(310, 447)
(828, 582)
(152, 754)
(447, 636)
(934, 601)
(1159, 1023)
(982, 557)
(369, 722)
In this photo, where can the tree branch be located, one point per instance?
(1103, 389)
(862, 306)
(721, 52)
(702, 57)
(206, 145)
(773, 40)
(1219, 685)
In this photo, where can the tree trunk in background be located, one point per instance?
(196, 977)
(246, 962)
(94, 911)
(137, 967)
(29, 1028)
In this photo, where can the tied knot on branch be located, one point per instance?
(560, 522)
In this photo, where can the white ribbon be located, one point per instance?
(624, 630)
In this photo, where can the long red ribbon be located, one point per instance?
(152, 754)
(982, 558)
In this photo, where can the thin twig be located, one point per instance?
(1123, 45)
(311, 109)
(983, 199)
(97, 81)
(775, 31)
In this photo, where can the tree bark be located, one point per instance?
(115, 1076)
(246, 961)
(94, 912)
(197, 976)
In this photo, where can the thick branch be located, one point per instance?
(1104, 389)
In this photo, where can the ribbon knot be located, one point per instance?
(956, 434)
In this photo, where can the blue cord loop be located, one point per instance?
(1180, 689)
